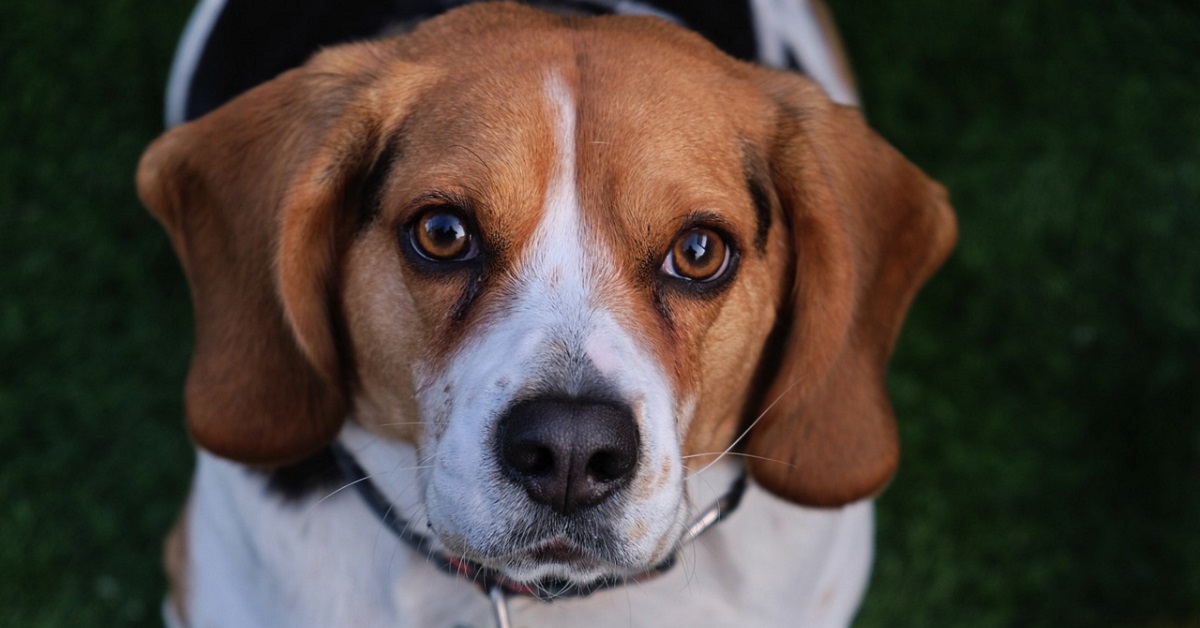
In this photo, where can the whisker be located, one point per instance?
(743, 455)
(750, 427)
(362, 479)
(691, 550)
(335, 491)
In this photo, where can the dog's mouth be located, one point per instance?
(559, 563)
(563, 551)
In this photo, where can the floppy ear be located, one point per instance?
(867, 229)
(259, 199)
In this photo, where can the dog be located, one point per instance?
(542, 288)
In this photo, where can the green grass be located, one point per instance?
(1048, 383)
(94, 322)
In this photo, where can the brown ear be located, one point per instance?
(259, 197)
(867, 229)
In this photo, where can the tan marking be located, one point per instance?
(663, 120)
(661, 547)
(654, 148)
(638, 532)
(664, 474)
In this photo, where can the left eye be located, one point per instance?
(442, 235)
(699, 254)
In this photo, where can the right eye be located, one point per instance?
(442, 235)
(699, 255)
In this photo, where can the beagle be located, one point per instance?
(548, 286)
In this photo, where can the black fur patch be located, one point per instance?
(762, 194)
(372, 187)
(315, 474)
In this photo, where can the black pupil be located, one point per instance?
(445, 231)
(696, 249)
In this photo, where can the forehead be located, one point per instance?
(657, 126)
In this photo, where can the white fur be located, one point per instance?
(784, 26)
(326, 560)
(258, 561)
(555, 306)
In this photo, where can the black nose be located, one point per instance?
(568, 454)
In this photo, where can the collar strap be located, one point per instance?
(494, 584)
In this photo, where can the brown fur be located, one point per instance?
(305, 315)
(868, 229)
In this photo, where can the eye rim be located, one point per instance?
(470, 253)
(669, 266)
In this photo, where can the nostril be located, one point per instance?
(568, 453)
(609, 466)
(529, 458)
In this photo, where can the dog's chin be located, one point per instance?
(559, 563)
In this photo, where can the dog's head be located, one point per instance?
(568, 259)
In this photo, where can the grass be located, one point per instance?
(94, 323)
(1048, 383)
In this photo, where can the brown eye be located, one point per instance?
(698, 254)
(442, 236)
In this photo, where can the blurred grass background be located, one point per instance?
(1048, 382)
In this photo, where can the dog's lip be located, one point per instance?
(560, 550)
(556, 550)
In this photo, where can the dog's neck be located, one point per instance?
(323, 558)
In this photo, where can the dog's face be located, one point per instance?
(584, 281)
(568, 260)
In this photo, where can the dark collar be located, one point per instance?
(493, 584)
